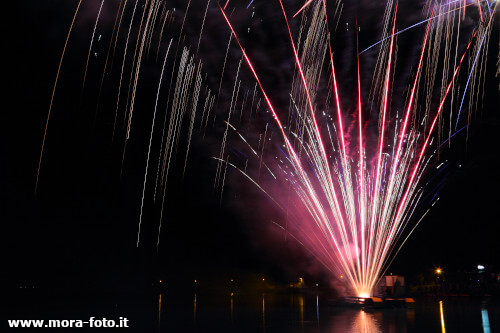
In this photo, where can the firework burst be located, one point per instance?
(352, 173)
(352, 202)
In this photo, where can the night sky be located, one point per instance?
(80, 228)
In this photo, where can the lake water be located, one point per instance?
(300, 313)
(221, 312)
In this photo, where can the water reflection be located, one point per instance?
(159, 311)
(441, 313)
(485, 319)
(410, 316)
(194, 309)
(317, 309)
(301, 307)
(264, 312)
(301, 313)
(366, 323)
(232, 307)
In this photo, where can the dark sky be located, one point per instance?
(82, 222)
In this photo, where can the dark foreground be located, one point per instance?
(250, 312)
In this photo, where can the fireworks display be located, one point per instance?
(353, 201)
(344, 156)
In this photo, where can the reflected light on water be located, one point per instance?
(232, 307)
(365, 323)
(301, 305)
(159, 311)
(441, 313)
(317, 308)
(194, 309)
(263, 312)
(410, 316)
(485, 319)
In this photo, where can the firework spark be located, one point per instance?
(350, 209)
(351, 196)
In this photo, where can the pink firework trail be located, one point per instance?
(352, 210)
